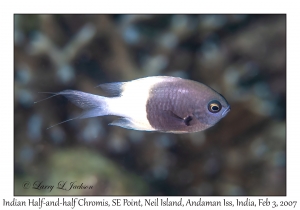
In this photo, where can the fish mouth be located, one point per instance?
(226, 111)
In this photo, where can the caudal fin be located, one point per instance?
(92, 105)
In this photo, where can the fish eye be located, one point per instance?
(214, 106)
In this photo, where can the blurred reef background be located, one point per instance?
(241, 56)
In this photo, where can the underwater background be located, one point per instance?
(243, 57)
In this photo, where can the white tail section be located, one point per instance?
(92, 105)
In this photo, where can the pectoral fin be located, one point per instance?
(176, 118)
(187, 120)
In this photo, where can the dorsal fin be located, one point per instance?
(112, 89)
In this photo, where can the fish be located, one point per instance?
(157, 103)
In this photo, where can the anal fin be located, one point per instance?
(129, 124)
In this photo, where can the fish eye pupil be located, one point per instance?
(214, 106)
